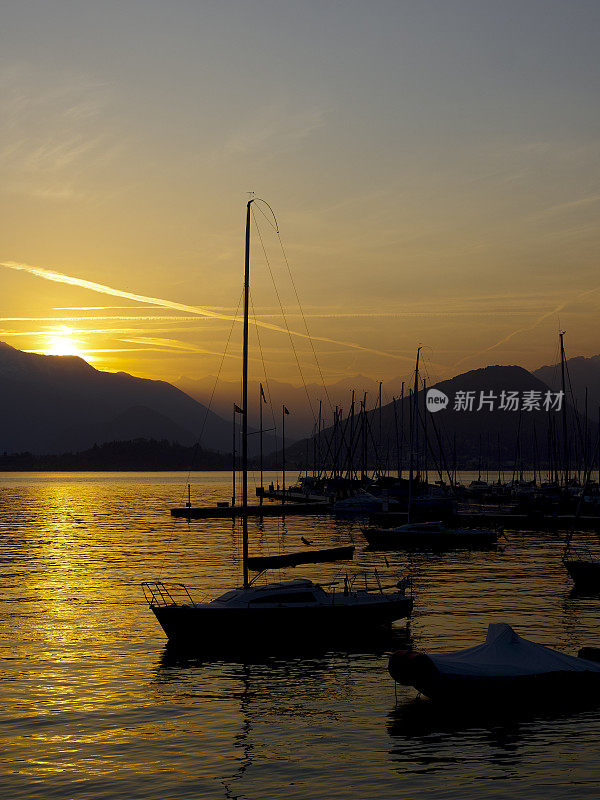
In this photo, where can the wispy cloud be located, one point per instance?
(538, 321)
(49, 159)
(58, 277)
(274, 128)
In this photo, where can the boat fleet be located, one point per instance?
(506, 666)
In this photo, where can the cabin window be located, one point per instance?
(295, 597)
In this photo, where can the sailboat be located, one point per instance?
(434, 535)
(299, 608)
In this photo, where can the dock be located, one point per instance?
(266, 510)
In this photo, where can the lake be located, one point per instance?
(93, 705)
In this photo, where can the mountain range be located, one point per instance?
(59, 404)
(480, 423)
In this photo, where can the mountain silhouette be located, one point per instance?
(56, 404)
(581, 374)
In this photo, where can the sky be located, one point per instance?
(433, 168)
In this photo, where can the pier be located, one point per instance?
(266, 510)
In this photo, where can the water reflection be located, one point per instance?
(376, 642)
(92, 695)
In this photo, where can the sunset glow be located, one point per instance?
(63, 342)
(422, 196)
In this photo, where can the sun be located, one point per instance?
(61, 342)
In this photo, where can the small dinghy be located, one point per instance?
(506, 668)
(343, 553)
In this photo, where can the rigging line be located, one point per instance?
(199, 440)
(212, 394)
(284, 317)
(265, 374)
(266, 216)
(310, 339)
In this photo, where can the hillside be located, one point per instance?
(56, 404)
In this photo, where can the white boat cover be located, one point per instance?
(506, 654)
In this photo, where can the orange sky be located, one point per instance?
(434, 175)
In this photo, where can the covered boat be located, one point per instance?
(428, 534)
(506, 667)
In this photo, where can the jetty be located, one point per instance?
(265, 510)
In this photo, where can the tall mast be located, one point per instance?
(401, 454)
(233, 462)
(414, 425)
(283, 413)
(351, 447)
(397, 437)
(564, 410)
(245, 403)
(260, 402)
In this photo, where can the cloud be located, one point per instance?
(274, 129)
(528, 328)
(58, 277)
(54, 132)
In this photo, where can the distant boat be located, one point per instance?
(297, 608)
(506, 668)
(428, 534)
(362, 503)
(424, 534)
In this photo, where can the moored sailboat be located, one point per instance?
(298, 608)
(424, 534)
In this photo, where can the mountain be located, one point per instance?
(582, 373)
(483, 436)
(56, 404)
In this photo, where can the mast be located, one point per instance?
(351, 446)
(398, 468)
(425, 436)
(401, 453)
(564, 411)
(245, 402)
(260, 402)
(414, 424)
(380, 442)
(284, 411)
(233, 462)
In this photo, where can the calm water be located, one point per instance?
(93, 706)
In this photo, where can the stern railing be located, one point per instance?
(158, 593)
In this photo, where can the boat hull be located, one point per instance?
(385, 539)
(551, 686)
(204, 625)
(585, 574)
(546, 688)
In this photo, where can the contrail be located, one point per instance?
(58, 277)
(533, 325)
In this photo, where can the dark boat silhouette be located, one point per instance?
(295, 608)
(507, 668)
